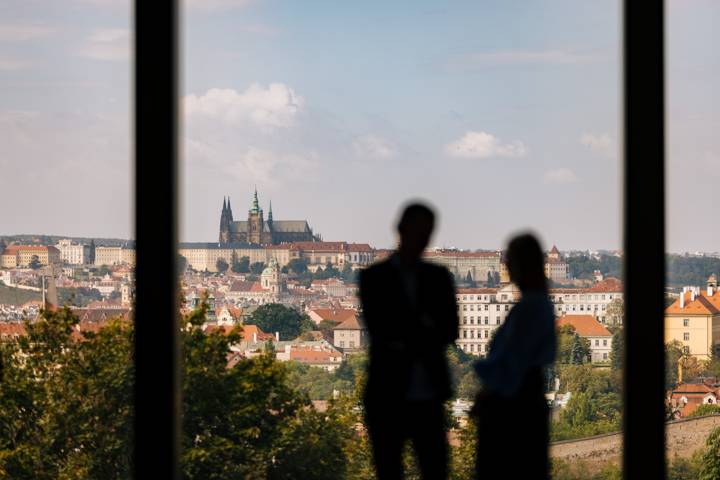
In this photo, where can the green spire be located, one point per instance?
(255, 204)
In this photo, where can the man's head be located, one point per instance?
(415, 228)
(526, 262)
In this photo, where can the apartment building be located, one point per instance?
(694, 320)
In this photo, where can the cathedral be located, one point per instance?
(259, 231)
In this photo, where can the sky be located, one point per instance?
(503, 115)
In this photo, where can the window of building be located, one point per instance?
(604, 343)
(686, 336)
(686, 322)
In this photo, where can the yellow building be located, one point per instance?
(23, 255)
(694, 320)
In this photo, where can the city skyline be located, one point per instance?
(503, 117)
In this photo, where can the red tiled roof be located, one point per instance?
(359, 247)
(585, 325)
(351, 323)
(334, 314)
(608, 285)
(314, 356)
(702, 305)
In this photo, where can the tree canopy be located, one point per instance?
(274, 317)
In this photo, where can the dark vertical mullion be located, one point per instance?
(156, 334)
(644, 226)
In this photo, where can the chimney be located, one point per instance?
(277, 336)
(685, 289)
(710, 291)
(682, 300)
(692, 295)
(254, 337)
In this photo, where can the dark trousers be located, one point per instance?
(513, 433)
(422, 423)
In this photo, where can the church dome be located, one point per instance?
(271, 268)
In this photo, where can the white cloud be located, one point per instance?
(274, 106)
(560, 176)
(111, 44)
(484, 145)
(23, 33)
(373, 146)
(600, 143)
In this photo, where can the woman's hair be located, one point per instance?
(526, 261)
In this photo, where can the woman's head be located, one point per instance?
(526, 262)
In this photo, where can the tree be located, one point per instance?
(490, 280)
(580, 352)
(182, 264)
(706, 409)
(348, 275)
(469, 280)
(616, 351)
(616, 312)
(327, 327)
(35, 262)
(710, 462)
(257, 268)
(298, 265)
(221, 265)
(565, 341)
(273, 317)
(673, 354)
(234, 262)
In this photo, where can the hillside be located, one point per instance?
(15, 296)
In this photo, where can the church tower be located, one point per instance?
(226, 219)
(256, 222)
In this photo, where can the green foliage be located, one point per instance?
(583, 266)
(326, 328)
(565, 339)
(35, 262)
(330, 271)
(298, 265)
(683, 270)
(78, 297)
(673, 354)
(595, 402)
(240, 265)
(580, 350)
(257, 268)
(182, 264)
(683, 469)
(66, 405)
(274, 317)
(710, 460)
(706, 409)
(221, 265)
(616, 351)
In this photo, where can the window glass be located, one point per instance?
(66, 240)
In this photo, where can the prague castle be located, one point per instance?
(256, 230)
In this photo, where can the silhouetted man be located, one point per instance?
(411, 316)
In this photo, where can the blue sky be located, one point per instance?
(504, 115)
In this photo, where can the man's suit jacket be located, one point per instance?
(401, 333)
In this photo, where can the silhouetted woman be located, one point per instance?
(511, 410)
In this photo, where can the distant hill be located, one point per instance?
(35, 239)
(15, 296)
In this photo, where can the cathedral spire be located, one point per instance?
(224, 205)
(228, 206)
(255, 204)
(270, 219)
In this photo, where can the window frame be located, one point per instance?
(157, 360)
